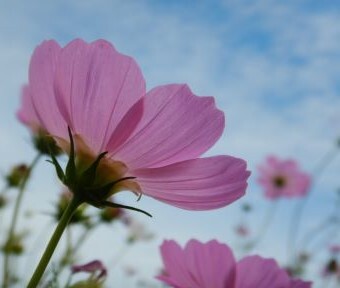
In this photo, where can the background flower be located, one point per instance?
(212, 264)
(282, 178)
(261, 60)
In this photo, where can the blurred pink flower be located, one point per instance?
(95, 267)
(130, 271)
(212, 264)
(156, 136)
(335, 248)
(297, 283)
(283, 178)
(242, 230)
(137, 231)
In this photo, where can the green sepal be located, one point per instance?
(83, 184)
(104, 191)
(88, 177)
(70, 171)
(58, 168)
(116, 205)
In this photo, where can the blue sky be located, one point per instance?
(273, 67)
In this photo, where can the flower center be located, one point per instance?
(279, 181)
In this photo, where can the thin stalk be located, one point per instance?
(122, 253)
(72, 250)
(297, 213)
(65, 219)
(331, 220)
(2, 194)
(267, 220)
(80, 242)
(83, 237)
(11, 233)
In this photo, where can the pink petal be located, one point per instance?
(95, 87)
(198, 265)
(254, 271)
(176, 126)
(125, 127)
(198, 184)
(41, 78)
(26, 114)
(302, 184)
(297, 283)
(212, 264)
(91, 267)
(297, 183)
(176, 272)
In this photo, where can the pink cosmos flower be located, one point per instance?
(212, 264)
(242, 230)
(155, 136)
(94, 267)
(334, 249)
(283, 178)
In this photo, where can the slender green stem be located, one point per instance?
(2, 194)
(297, 213)
(119, 257)
(66, 217)
(330, 220)
(83, 237)
(267, 220)
(11, 233)
(71, 251)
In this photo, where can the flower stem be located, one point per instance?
(66, 217)
(11, 233)
(299, 208)
(267, 220)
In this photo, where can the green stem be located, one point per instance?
(268, 218)
(71, 250)
(322, 226)
(65, 219)
(2, 194)
(11, 233)
(83, 237)
(299, 208)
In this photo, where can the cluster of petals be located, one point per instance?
(283, 178)
(156, 136)
(212, 264)
(93, 267)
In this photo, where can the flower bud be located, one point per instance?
(14, 245)
(110, 214)
(242, 230)
(331, 267)
(46, 144)
(17, 175)
(78, 217)
(246, 207)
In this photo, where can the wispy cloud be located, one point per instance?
(273, 68)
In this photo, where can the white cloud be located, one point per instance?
(278, 98)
